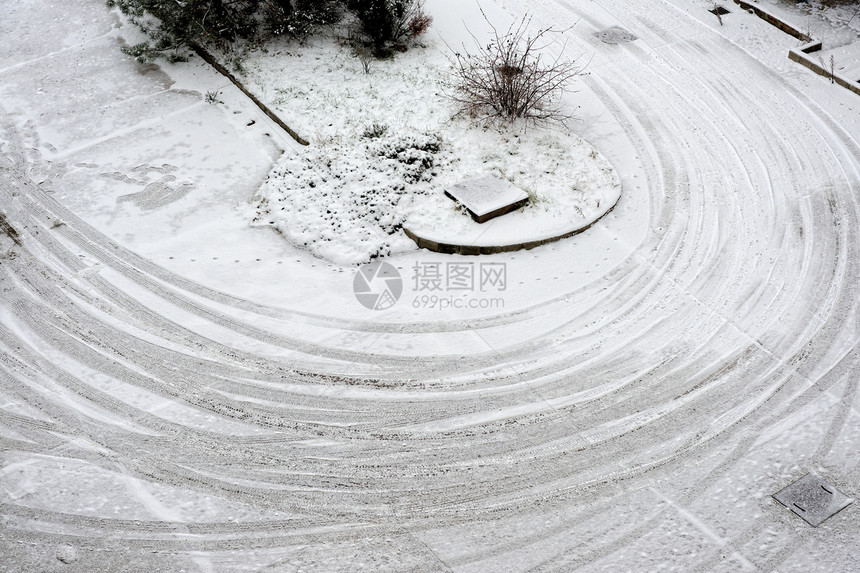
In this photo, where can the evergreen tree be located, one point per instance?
(173, 25)
(387, 24)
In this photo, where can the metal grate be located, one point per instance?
(615, 35)
(813, 499)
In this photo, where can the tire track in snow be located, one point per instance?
(725, 320)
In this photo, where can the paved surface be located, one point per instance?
(640, 420)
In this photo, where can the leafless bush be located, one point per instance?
(507, 78)
(718, 11)
(417, 21)
(829, 68)
(364, 58)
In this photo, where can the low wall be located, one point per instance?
(773, 20)
(801, 54)
(454, 249)
(207, 57)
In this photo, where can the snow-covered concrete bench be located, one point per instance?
(487, 197)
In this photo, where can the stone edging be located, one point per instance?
(801, 54)
(207, 57)
(452, 249)
(774, 21)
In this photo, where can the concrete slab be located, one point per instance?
(487, 197)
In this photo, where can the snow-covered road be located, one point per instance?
(635, 414)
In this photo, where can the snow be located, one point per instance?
(392, 144)
(180, 390)
(614, 35)
(486, 194)
(569, 184)
(836, 22)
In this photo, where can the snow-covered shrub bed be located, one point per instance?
(385, 143)
(347, 201)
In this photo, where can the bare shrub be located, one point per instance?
(375, 131)
(417, 21)
(507, 79)
(829, 68)
(718, 11)
(212, 97)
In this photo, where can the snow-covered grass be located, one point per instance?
(387, 141)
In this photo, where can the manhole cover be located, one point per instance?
(615, 35)
(813, 499)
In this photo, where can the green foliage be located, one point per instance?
(301, 18)
(376, 18)
(173, 25)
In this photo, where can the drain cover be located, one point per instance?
(813, 499)
(615, 35)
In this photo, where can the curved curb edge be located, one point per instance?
(452, 249)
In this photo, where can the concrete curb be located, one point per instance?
(454, 249)
(801, 54)
(774, 21)
(207, 57)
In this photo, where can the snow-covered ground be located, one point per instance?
(389, 141)
(180, 390)
(836, 22)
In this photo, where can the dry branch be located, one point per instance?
(507, 78)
